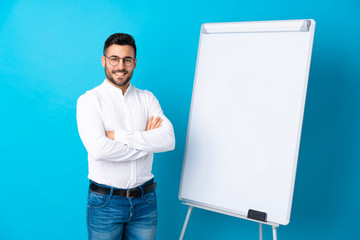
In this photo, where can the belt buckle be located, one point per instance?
(128, 193)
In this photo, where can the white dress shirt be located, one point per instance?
(125, 162)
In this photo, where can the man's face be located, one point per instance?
(120, 74)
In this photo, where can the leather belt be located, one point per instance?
(129, 193)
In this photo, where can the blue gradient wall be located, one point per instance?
(50, 55)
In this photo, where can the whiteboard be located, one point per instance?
(246, 116)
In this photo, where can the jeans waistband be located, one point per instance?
(106, 186)
(139, 191)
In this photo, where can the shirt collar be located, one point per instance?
(112, 88)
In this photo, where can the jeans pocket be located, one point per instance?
(150, 197)
(97, 200)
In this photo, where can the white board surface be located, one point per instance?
(246, 116)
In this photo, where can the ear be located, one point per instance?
(135, 61)
(103, 61)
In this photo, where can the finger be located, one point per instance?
(155, 122)
(158, 123)
(148, 125)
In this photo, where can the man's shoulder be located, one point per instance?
(91, 94)
(143, 91)
(147, 97)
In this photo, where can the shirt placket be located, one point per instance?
(129, 126)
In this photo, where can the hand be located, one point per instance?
(110, 134)
(153, 124)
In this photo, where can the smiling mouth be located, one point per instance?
(120, 73)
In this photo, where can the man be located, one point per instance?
(121, 127)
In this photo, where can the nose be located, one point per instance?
(121, 64)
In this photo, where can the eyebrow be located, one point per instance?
(120, 57)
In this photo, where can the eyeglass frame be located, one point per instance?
(133, 60)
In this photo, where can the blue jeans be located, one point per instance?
(111, 217)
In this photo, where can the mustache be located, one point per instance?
(123, 71)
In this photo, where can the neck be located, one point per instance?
(123, 88)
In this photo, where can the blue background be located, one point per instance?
(50, 55)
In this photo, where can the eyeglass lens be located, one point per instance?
(127, 61)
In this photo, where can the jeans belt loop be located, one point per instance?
(111, 191)
(142, 191)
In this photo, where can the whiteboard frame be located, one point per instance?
(268, 26)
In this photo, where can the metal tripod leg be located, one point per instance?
(186, 222)
(274, 232)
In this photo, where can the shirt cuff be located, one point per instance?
(121, 136)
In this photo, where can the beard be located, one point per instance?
(117, 83)
(120, 84)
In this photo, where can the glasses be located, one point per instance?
(114, 61)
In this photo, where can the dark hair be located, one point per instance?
(120, 39)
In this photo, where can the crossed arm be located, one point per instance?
(151, 124)
(122, 145)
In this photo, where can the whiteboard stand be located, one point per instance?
(191, 206)
(186, 222)
(274, 232)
